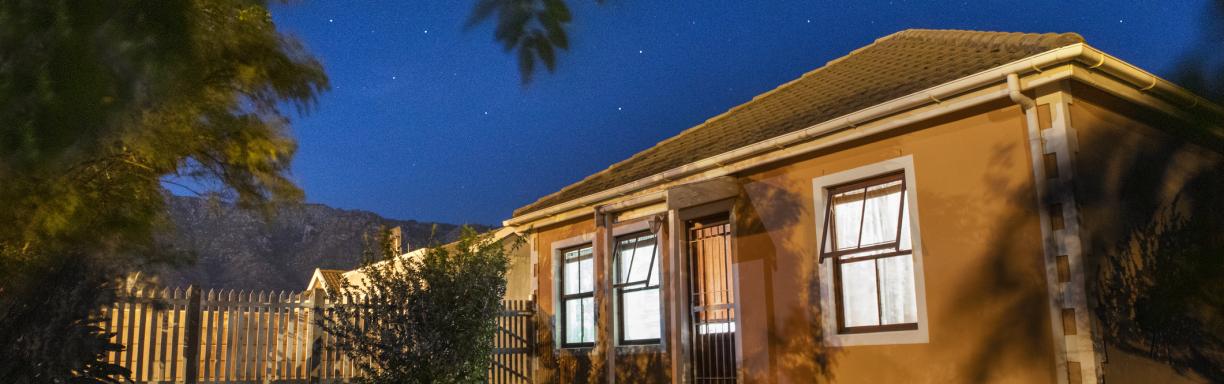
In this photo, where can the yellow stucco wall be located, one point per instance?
(1132, 164)
(985, 284)
(985, 279)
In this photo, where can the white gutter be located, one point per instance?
(1080, 52)
(647, 199)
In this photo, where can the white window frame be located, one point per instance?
(631, 227)
(828, 303)
(558, 270)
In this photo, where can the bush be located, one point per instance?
(426, 319)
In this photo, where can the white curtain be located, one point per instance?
(880, 291)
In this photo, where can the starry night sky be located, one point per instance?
(429, 121)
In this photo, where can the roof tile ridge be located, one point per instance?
(969, 36)
(728, 112)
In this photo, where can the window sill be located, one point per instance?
(633, 349)
(583, 347)
(912, 336)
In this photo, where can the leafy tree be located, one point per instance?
(423, 320)
(1201, 69)
(536, 29)
(104, 103)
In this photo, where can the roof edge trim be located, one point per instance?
(1093, 58)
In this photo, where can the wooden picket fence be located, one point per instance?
(187, 336)
(513, 344)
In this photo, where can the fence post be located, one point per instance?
(191, 346)
(315, 352)
(531, 339)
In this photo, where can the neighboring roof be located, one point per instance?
(356, 276)
(893, 66)
(331, 278)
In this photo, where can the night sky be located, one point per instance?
(429, 121)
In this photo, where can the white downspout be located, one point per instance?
(1013, 91)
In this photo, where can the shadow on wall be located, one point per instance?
(567, 365)
(1153, 213)
(1008, 289)
(1157, 270)
(1153, 248)
(1154, 260)
(642, 367)
(766, 210)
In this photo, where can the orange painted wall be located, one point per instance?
(986, 294)
(634, 364)
(1130, 165)
(557, 365)
(985, 285)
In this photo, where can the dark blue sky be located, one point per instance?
(428, 121)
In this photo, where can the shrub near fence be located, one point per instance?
(225, 337)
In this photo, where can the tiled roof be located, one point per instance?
(332, 278)
(891, 67)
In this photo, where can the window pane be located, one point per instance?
(573, 321)
(576, 253)
(625, 254)
(654, 272)
(586, 273)
(588, 320)
(859, 304)
(897, 283)
(880, 215)
(847, 212)
(905, 243)
(634, 258)
(580, 320)
(570, 278)
(641, 315)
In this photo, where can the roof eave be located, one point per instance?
(1082, 53)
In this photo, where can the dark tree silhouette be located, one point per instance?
(535, 29)
(1202, 68)
(102, 102)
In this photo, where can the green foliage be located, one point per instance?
(1201, 69)
(51, 334)
(102, 99)
(429, 319)
(103, 102)
(536, 29)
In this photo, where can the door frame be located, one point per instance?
(681, 338)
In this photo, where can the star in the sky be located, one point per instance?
(331, 20)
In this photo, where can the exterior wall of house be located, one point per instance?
(557, 365)
(518, 278)
(987, 299)
(633, 364)
(986, 295)
(1131, 167)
